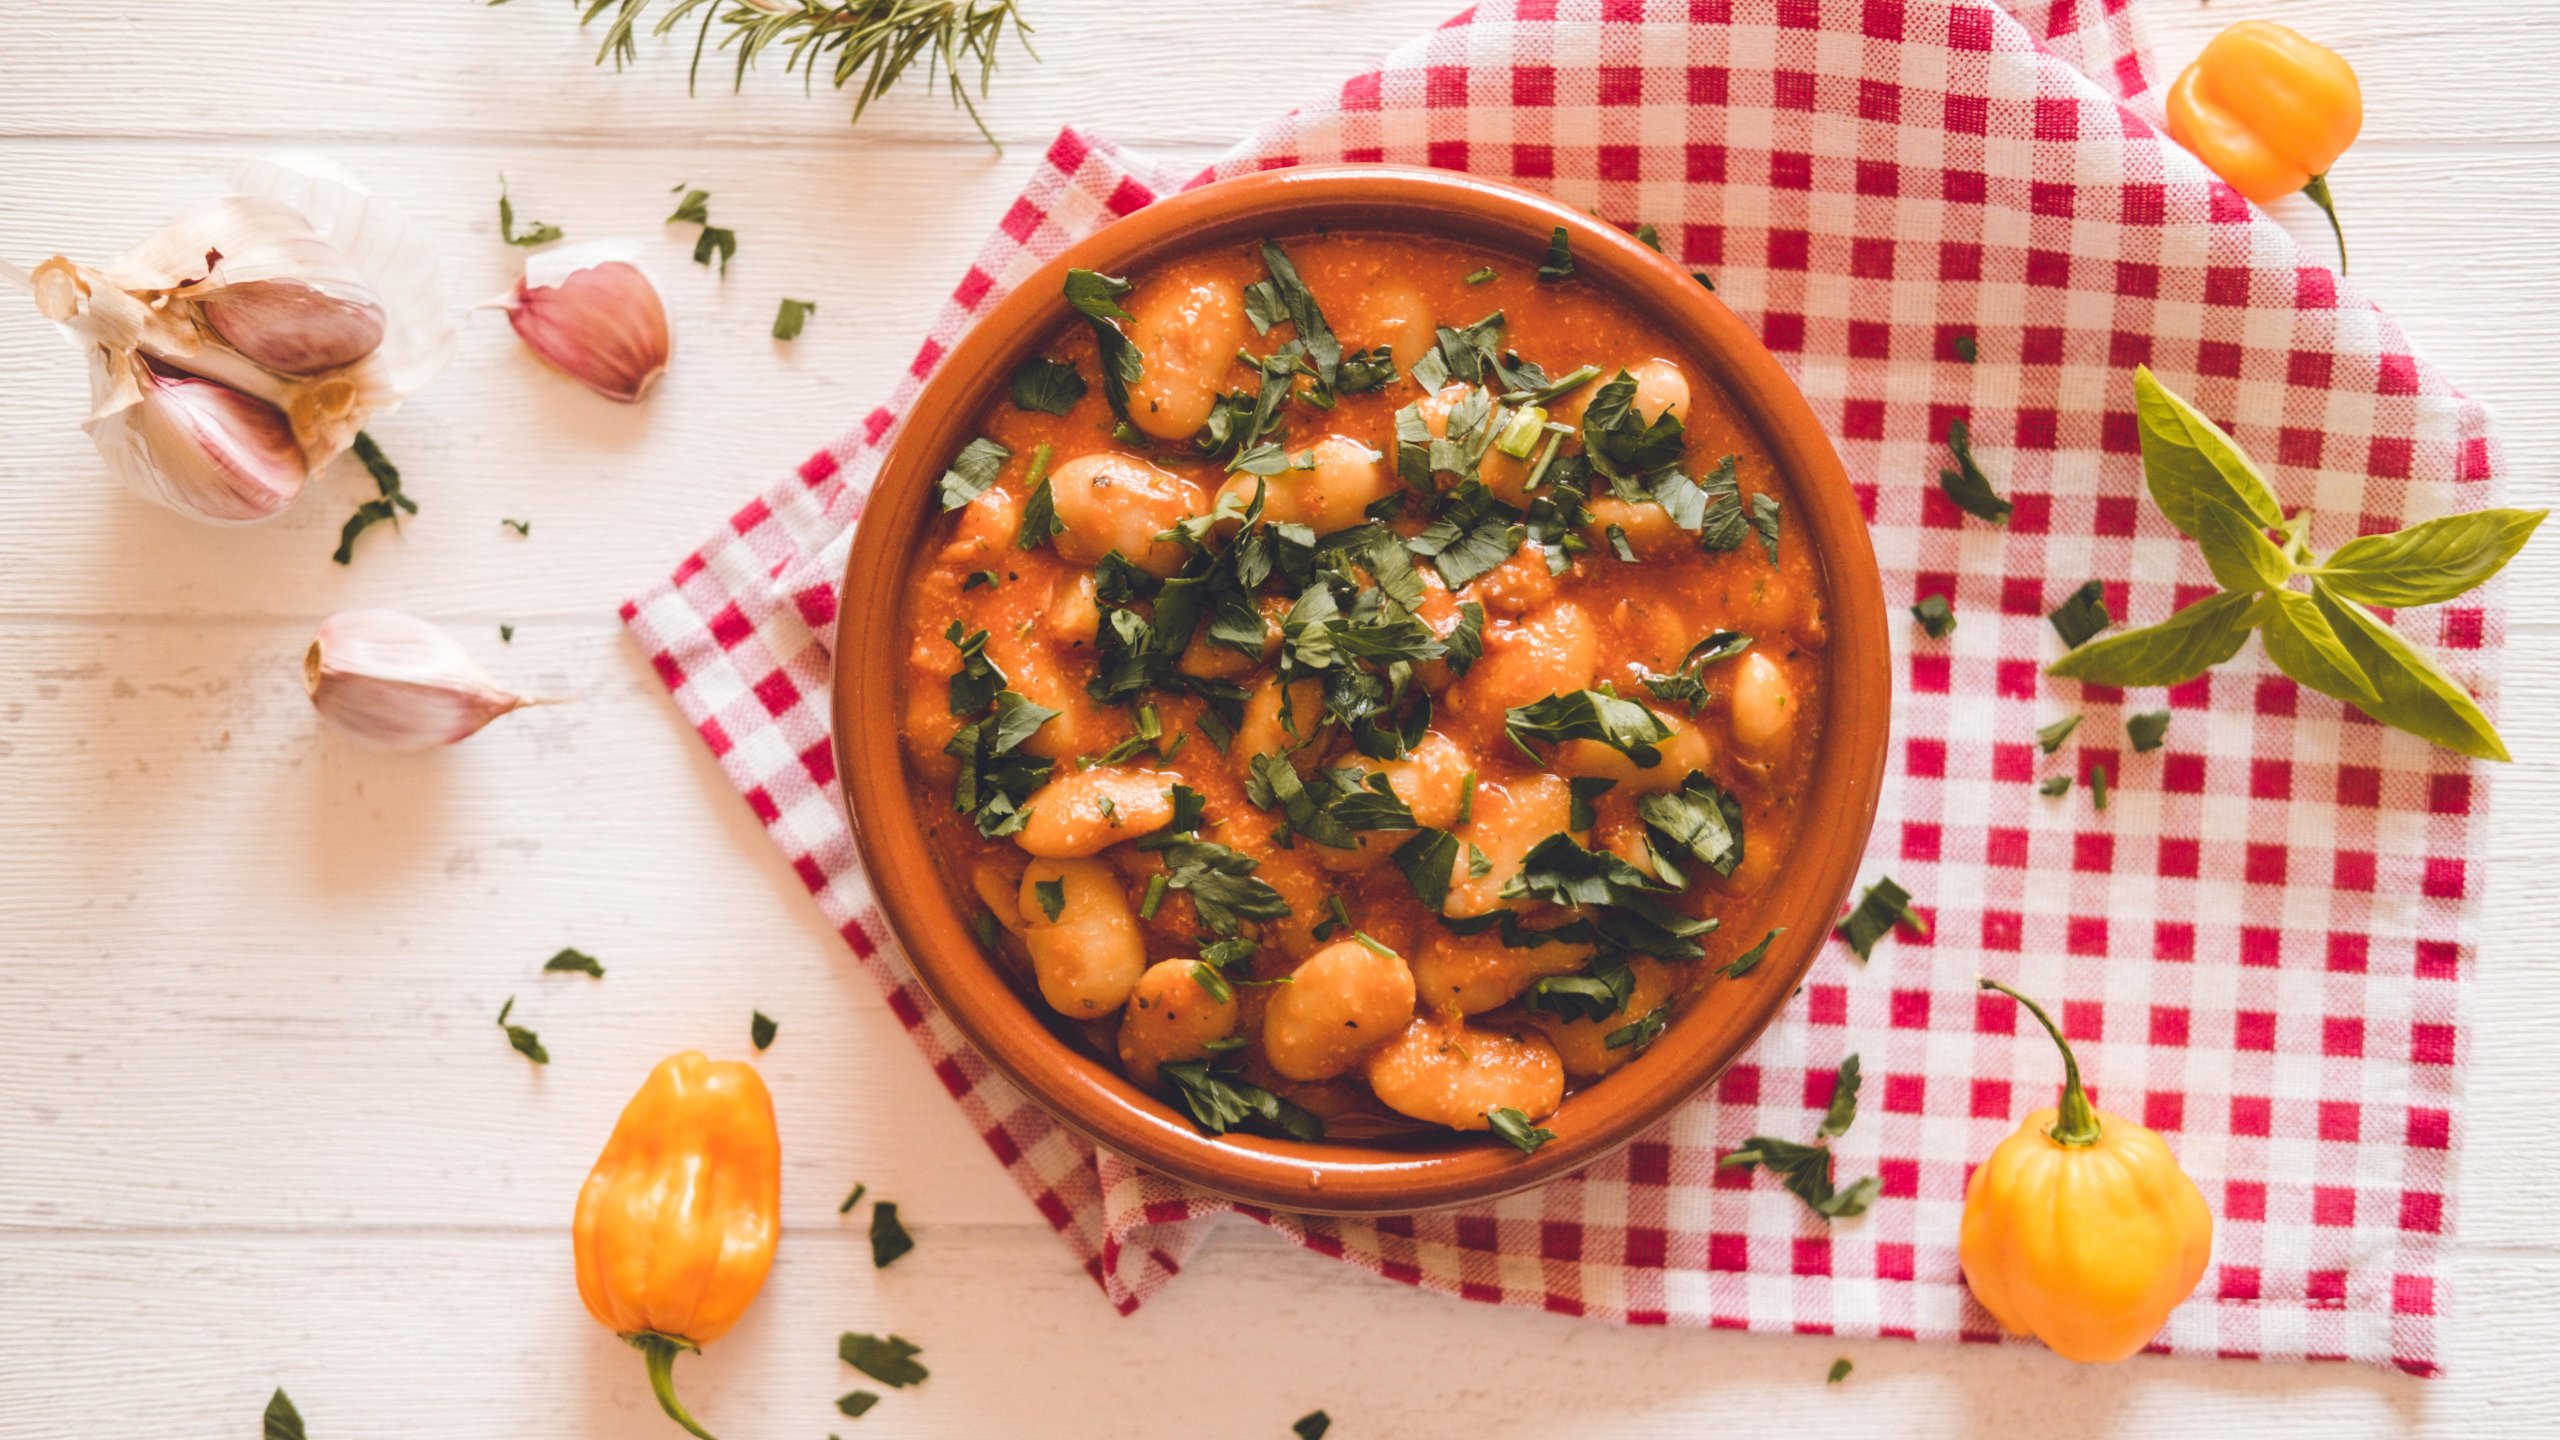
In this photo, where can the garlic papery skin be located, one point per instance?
(595, 316)
(201, 448)
(396, 682)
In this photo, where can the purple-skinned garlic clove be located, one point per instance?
(396, 682)
(594, 314)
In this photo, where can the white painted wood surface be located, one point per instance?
(255, 1125)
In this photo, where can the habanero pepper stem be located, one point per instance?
(2078, 1122)
(2270, 112)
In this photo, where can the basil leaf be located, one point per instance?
(890, 1361)
(2190, 463)
(2242, 556)
(761, 1030)
(1884, 906)
(1559, 262)
(792, 318)
(2430, 562)
(2148, 731)
(972, 472)
(2052, 736)
(1219, 1103)
(576, 962)
(1051, 387)
(1844, 1101)
(2417, 696)
(2172, 652)
(1506, 1122)
(282, 1421)
(889, 1238)
(1937, 618)
(2302, 643)
(1427, 860)
(1966, 485)
(1749, 960)
(2082, 616)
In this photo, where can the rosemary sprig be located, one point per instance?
(870, 41)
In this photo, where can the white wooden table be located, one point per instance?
(256, 1127)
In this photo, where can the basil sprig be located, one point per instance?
(2326, 639)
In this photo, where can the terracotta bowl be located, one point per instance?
(1088, 1095)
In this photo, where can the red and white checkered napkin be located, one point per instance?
(2258, 945)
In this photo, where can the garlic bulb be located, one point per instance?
(595, 315)
(301, 301)
(398, 683)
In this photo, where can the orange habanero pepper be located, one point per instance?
(2080, 1229)
(2269, 112)
(676, 1225)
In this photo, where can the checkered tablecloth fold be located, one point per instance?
(2257, 947)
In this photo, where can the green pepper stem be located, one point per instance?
(2077, 1125)
(660, 1353)
(2318, 190)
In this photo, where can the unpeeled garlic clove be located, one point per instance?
(595, 316)
(201, 447)
(396, 682)
(294, 327)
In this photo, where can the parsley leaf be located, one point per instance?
(1619, 442)
(2055, 785)
(1097, 298)
(1626, 911)
(1312, 1426)
(1051, 387)
(856, 1404)
(1640, 1032)
(535, 232)
(283, 1422)
(1686, 684)
(890, 1361)
(889, 1237)
(972, 472)
(1052, 895)
(1966, 485)
(1427, 861)
(975, 685)
(1884, 906)
(2148, 730)
(1700, 818)
(1806, 1171)
(1844, 1101)
(1840, 1368)
(1764, 522)
(1722, 525)
(1937, 618)
(2050, 737)
(1473, 534)
(393, 502)
(1749, 960)
(577, 962)
(1966, 349)
(526, 1043)
(859, 1190)
(2082, 617)
(1298, 304)
(1625, 726)
(1331, 810)
(1040, 522)
(1559, 262)
(761, 1030)
(995, 778)
(523, 528)
(1218, 1103)
(792, 318)
(1510, 1124)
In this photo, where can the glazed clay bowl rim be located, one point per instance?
(1089, 1095)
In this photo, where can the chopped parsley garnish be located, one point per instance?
(1598, 992)
(1052, 895)
(1585, 789)
(859, 1190)
(1622, 446)
(1937, 618)
(972, 472)
(1618, 545)
(792, 318)
(1559, 262)
(2055, 785)
(761, 1030)
(1097, 298)
(1806, 1171)
(1844, 1101)
(2098, 786)
(2050, 737)
(526, 1043)
(1764, 522)
(1700, 818)
(535, 233)
(1841, 1367)
(282, 1422)
(2082, 617)
(1473, 534)
(506, 634)
(889, 1237)
(2147, 730)
(1427, 861)
(890, 1361)
(1312, 1426)
(1510, 1124)
(1218, 1103)
(575, 962)
(1703, 278)
(980, 579)
(1966, 485)
(995, 777)
(1286, 297)
(1686, 685)
(856, 1403)
(1479, 277)
(1749, 960)
(390, 502)
(1722, 526)
(1625, 726)
(1649, 237)
(1465, 641)
(1640, 1032)
(1884, 906)
(1966, 349)
(1051, 387)
(523, 528)
(975, 685)
(1626, 910)
(1212, 982)
(1040, 522)
(1331, 806)
(695, 209)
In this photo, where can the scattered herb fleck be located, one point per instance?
(1312, 1425)
(1806, 1172)
(1843, 1111)
(2098, 786)
(2083, 616)
(1966, 350)
(889, 1238)
(577, 962)
(1051, 387)
(695, 209)
(1884, 906)
(761, 1030)
(1649, 237)
(535, 232)
(390, 504)
(1749, 960)
(792, 318)
(1559, 263)
(859, 1190)
(890, 1361)
(523, 528)
(1966, 485)
(1840, 1368)
(507, 634)
(859, 1402)
(2148, 731)
(1481, 276)
(527, 1044)
(2051, 736)
(1937, 618)
(1703, 278)
(1510, 1124)
(283, 1422)
(2055, 785)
